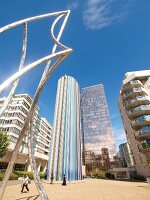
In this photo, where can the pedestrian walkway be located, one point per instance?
(91, 189)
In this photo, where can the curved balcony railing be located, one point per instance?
(139, 110)
(140, 121)
(143, 133)
(134, 92)
(144, 147)
(132, 84)
(138, 100)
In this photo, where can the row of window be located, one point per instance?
(18, 108)
(142, 118)
(14, 114)
(14, 102)
(41, 151)
(44, 124)
(11, 121)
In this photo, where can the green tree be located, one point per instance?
(4, 142)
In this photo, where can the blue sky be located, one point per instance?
(109, 38)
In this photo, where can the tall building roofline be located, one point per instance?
(18, 95)
(65, 76)
(94, 86)
(46, 121)
(136, 74)
(23, 94)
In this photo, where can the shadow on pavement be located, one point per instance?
(143, 186)
(29, 198)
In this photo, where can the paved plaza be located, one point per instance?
(91, 189)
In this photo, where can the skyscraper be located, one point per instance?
(134, 104)
(65, 155)
(126, 158)
(95, 122)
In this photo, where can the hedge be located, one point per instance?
(99, 174)
(138, 178)
(16, 174)
(12, 176)
(109, 175)
(22, 173)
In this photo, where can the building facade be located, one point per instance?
(105, 160)
(134, 104)
(126, 157)
(65, 157)
(12, 122)
(95, 123)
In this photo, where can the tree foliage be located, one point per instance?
(4, 142)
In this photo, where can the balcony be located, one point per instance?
(144, 147)
(134, 92)
(139, 110)
(140, 121)
(143, 133)
(132, 84)
(41, 155)
(138, 100)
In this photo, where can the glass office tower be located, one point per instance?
(96, 125)
(65, 155)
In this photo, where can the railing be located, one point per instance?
(140, 108)
(137, 99)
(135, 90)
(143, 133)
(142, 118)
(144, 130)
(132, 83)
(144, 146)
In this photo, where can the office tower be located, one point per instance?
(125, 155)
(115, 163)
(95, 123)
(12, 122)
(65, 155)
(134, 104)
(105, 160)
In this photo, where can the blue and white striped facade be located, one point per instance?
(65, 155)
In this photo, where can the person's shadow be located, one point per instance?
(29, 198)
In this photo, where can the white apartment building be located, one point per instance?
(134, 104)
(12, 122)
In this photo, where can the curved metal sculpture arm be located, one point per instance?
(14, 24)
(15, 84)
(61, 30)
(24, 129)
(53, 36)
(46, 74)
(30, 67)
(55, 45)
(31, 150)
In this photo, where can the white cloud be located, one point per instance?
(114, 116)
(119, 134)
(73, 5)
(99, 14)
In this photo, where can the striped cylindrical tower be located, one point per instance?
(65, 154)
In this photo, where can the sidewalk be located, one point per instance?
(12, 182)
(89, 190)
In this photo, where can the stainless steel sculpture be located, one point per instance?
(13, 81)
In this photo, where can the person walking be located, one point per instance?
(52, 178)
(64, 181)
(46, 174)
(25, 182)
